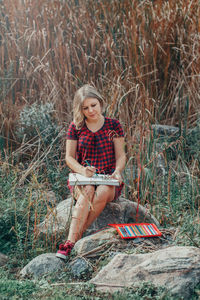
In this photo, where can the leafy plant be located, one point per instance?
(145, 290)
(36, 121)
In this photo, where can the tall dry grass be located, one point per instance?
(142, 55)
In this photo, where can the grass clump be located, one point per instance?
(23, 207)
(10, 288)
(145, 290)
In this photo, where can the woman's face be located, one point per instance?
(91, 109)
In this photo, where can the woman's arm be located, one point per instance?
(120, 157)
(72, 163)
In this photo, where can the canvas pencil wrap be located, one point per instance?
(135, 230)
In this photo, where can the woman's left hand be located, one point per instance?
(117, 175)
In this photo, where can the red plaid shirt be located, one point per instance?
(97, 148)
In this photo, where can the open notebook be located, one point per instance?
(97, 179)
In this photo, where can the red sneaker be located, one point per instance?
(65, 250)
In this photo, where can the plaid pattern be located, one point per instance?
(97, 148)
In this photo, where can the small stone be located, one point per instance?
(113, 254)
(80, 267)
(3, 259)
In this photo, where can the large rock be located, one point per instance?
(3, 259)
(176, 268)
(121, 211)
(94, 241)
(162, 132)
(165, 130)
(56, 221)
(42, 264)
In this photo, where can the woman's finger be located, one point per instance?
(90, 171)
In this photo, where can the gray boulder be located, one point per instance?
(57, 222)
(80, 267)
(165, 130)
(3, 259)
(122, 211)
(176, 268)
(96, 240)
(41, 265)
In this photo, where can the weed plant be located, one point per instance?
(22, 208)
(35, 121)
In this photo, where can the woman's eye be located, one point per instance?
(92, 105)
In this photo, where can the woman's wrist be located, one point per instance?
(82, 170)
(118, 170)
(117, 175)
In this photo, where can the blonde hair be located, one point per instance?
(86, 91)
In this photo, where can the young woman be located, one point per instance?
(95, 144)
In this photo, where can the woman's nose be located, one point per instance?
(90, 109)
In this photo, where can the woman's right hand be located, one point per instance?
(89, 171)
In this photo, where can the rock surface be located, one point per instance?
(80, 267)
(121, 211)
(162, 131)
(3, 259)
(176, 268)
(165, 129)
(90, 246)
(56, 221)
(95, 240)
(42, 264)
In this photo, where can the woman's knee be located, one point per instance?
(105, 193)
(88, 191)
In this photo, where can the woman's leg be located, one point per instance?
(102, 195)
(89, 205)
(80, 212)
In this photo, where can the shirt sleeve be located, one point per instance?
(72, 133)
(118, 129)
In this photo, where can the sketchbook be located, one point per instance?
(97, 179)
